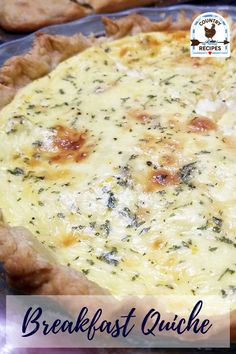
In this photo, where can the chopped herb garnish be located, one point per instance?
(112, 201)
(227, 271)
(16, 172)
(85, 271)
(213, 249)
(110, 257)
(106, 227)
(218, 222)
(186, 172)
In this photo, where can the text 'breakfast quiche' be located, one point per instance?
(121, 163)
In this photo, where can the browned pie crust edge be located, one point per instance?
(47, 52)
(38, 14)
(117, 5)
(29, 266)
(30, 15)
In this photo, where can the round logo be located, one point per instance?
(210, 36)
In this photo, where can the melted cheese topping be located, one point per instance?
(122, 162)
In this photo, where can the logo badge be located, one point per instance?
(210, 36)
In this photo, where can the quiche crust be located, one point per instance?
(37, 14)
(29, 266)
(117, 5)
(135, 23)
(49, 50)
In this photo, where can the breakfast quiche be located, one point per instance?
(118, 164)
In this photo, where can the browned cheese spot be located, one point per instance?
(178, 35)
(202, 125)
(199, 62)
(68, 145)
(68, 240)
(151, 44)
(124, 51)
(162, 178)
(168, 160)
(139, 115)
(157, 244)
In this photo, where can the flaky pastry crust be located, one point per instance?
(47, 52)
(134, 23)
(29, 266)
(29, 15)
(117, 5)
(38, 14)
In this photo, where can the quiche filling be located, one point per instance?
(122, 161)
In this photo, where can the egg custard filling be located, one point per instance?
(122, 162)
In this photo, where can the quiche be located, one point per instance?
(117, 165)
